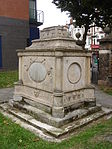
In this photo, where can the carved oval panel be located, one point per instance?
(37, 72)
(74, 73)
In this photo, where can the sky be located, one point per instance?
(52, 15)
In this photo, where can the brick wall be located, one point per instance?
(18, 9)
(103, 66)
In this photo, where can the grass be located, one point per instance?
(8, 78)
(12, 136)
(106, 89)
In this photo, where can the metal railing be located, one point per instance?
(36, 15)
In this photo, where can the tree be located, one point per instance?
(85, 12)
(103, 13)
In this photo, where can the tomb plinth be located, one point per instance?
(54, 73)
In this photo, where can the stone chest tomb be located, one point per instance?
(55, 73)
(54, 84)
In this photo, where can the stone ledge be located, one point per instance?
(46, 131)
(29, 127)
(56, 122)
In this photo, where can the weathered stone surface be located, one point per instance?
(54, 84)
(47, 109)
(103, 66)
(17, 98)
(49, 132)
(37, 131)
(105, 61)
(52, 38)
(74, 70)
(57, 122)
(55, 72)
(54, 32)
(37, 72)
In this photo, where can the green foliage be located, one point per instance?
(85, 12)
(12, 136)
(8, 78)
(106, 89)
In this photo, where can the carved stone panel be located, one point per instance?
(74, 73)
(37, 72)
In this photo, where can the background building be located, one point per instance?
(19, 20)
(94, 35)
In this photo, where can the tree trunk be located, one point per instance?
(85, 36)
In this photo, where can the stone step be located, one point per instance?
(78, 105)
(84, 121)
(39, 125)
(31, 120)
(37, 131)
(56, 122)
(51, 130)
(38, 105)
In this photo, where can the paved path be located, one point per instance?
(101, 98)
(6, 94)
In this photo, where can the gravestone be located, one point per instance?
(55, 72)
(54, 94)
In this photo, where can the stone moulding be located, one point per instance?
(56, 43)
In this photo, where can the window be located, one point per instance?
(89, 41)
(32, 4)
(32, 9)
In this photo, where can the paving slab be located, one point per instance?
(6, 94)
(102, 98)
